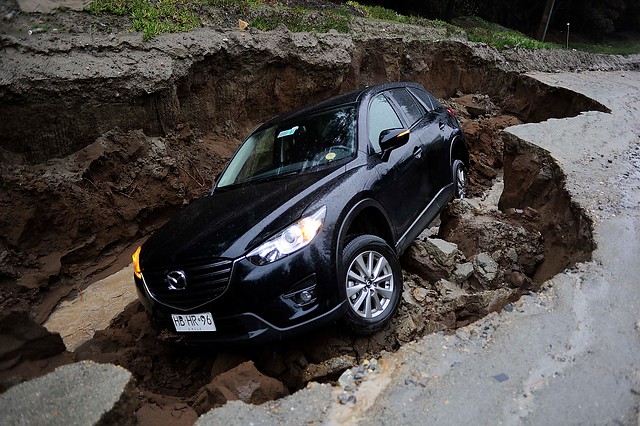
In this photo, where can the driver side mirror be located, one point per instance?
(393, 138)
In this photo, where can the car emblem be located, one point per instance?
(177, 280)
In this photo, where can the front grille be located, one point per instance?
(205, 283)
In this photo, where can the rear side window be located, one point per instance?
(381, 117)
(426, 99)
(410, 108)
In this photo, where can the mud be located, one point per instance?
(128, 132)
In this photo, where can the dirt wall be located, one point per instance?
(534, 180)
(57, 95)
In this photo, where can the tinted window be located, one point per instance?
(300, 146)
(381, 117)
(410, 108)
(425, 98)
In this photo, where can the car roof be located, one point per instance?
(343, 99)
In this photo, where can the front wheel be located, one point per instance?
(372, 280)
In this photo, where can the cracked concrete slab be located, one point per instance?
(84, 393)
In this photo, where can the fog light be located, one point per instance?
(305, 296)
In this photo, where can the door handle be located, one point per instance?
(417, 152)
(441, 125)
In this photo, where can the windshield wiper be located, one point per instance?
(274, 177)
(256, 180)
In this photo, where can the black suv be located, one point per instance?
(306, 223)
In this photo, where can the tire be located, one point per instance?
(372, 281)
(459, 179)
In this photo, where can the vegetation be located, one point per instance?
(479, 30)
(384, 14)
(378, 12)
(298, 19)
(609, 47)
(152, 17)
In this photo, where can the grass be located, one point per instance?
(152, 17)
(500, 38)
(378, 12)
(384, 14)
(298, 19)
(609, 47)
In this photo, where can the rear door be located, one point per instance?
(436, 135)
(423, 125)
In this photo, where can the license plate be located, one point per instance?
(194, 322)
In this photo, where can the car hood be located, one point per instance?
(229, 223)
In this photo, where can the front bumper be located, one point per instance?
(259, 304)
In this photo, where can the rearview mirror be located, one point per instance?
(393, 138)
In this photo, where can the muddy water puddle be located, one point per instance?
(92, 309)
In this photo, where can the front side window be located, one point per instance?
(297, 146)
(381, 117)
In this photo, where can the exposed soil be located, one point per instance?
(106, 137)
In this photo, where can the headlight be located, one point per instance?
(291, 239)
(135, 258)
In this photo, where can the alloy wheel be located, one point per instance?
(370, 284)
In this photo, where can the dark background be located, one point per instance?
(593, 18)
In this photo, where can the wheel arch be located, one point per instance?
(365, 217)
(458, 151)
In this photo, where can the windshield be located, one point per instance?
(304, 145)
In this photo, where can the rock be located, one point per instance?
(373, 364)
(494, 300)
(449, 291)
(485, 267)
(225, 361)
(531, 213)
(417, 260)
(82, 393)
(473, 105)
(244, 383)
(407, 295)
(515, 279)
(419, 294)
(308, 406)
(428, 233)
(328, 368)
(511, 254)
(21, 338)
(502, 377)
(406, 329)
(346, 378)
(444, 252)
(184, 133)
(462, 272)
(472, 202)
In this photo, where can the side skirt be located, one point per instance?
(425, 217)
